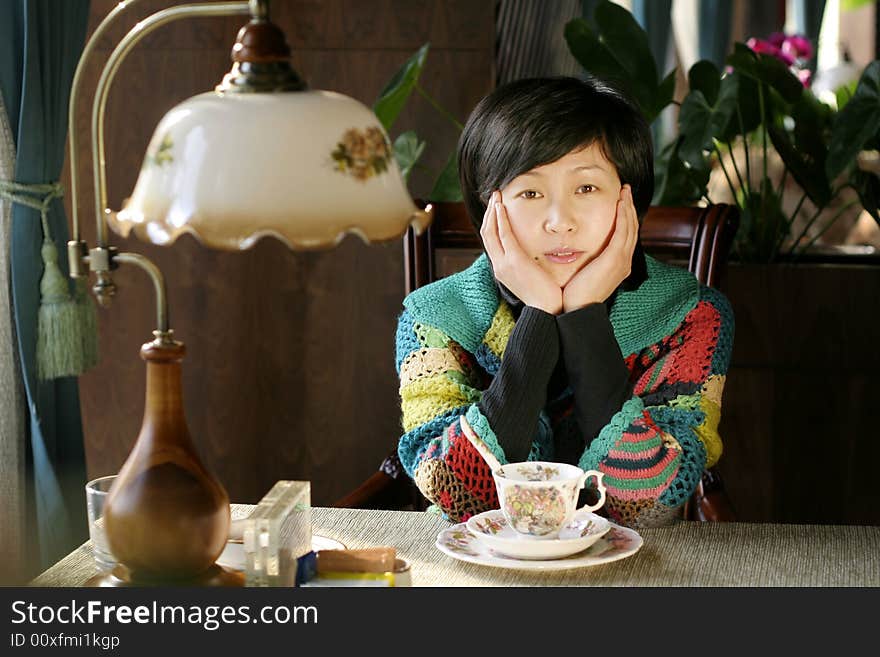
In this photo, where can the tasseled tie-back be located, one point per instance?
(66, 325)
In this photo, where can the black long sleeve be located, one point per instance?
(597, 374)
(517, 394)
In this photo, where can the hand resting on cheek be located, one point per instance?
(512, 266)
(598, 279)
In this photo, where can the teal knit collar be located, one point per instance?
(462, 305)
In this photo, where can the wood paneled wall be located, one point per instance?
(290, 370)
(801, 397)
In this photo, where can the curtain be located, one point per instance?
(40, 44)
(12, 406)
(655, 17)
(715, 18)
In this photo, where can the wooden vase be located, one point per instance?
(167, 517)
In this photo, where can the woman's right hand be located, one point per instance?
(512, 266)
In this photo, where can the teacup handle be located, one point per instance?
(598, 475)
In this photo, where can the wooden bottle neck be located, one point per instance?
(164, 394)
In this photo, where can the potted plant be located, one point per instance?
(757, 109)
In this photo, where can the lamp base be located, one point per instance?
(121, 577)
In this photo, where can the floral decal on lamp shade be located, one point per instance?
(161, 155)
(362, 153)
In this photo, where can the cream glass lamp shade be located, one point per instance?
(306, 167)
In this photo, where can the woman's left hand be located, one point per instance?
(599, 278)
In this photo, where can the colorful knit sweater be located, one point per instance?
(675, 336)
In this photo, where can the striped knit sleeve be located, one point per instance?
(440, 382)
(654, 450)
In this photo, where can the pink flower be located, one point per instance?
(776, 39)
(799, 45)
(762, 47)
(786, 57)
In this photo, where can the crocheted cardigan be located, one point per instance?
(675, 335)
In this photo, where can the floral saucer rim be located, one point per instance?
(493, 529)
(618, 543)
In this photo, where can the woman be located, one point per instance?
(564, 342)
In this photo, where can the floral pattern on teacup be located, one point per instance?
(362, 153)
(537, 472)
(535, 511)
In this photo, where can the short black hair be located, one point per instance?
(534, 121)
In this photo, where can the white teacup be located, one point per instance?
(539, 498)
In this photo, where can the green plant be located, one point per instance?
(757, 102)
(408, 147)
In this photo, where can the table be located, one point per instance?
(685, 554)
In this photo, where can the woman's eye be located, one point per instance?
(530, 193)
(586, 189)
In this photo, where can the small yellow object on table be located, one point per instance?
(377, 566)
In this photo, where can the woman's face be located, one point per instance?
(562, 213)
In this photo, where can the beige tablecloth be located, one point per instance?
(686, 554)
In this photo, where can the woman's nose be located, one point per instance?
(560, 221)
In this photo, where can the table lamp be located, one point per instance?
(259, 156)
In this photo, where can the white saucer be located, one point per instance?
(618, 543)
(493, 530)
(232, 556)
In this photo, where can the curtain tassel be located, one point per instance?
(58, 336)
(66, 325)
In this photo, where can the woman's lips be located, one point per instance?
(563, 256)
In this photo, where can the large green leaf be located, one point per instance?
(614, 47)
(701, 123)
(677, 183)
(628, 43)
(744, 60)
(447, 187)
(812, 127)
(584, 44)
(766, 69)
(407, 151)
(394, 95)
(844, 92)
(779, 77)
(867, 184)
(856, 123)
(746, 116)
(705, 77)
(809, 172)
(587, 48)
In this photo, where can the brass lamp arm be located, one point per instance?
(155, 274)
(73, 134)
